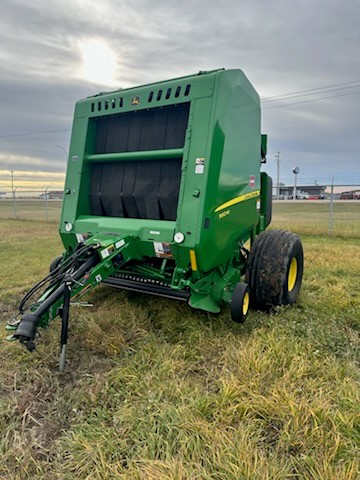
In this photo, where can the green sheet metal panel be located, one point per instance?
(220, 164)
(233, 180)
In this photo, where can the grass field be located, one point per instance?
(312, 217)
(154, 390)
(309, 217)
(31, 209)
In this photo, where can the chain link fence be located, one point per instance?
(337, 214)
(40, 205)
(316, 217)
(331, 208)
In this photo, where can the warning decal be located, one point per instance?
(162, 250)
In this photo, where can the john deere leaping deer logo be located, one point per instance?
(135, 100)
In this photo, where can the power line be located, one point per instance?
(310, 101)
(275, 98)
(33, 133)
(51, 138)
(354, 132)
(309, 90)
(311, 93)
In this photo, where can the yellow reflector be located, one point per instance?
(193, 260)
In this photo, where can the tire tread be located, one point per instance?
(268, 266)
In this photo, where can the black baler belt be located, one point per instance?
(136, 189)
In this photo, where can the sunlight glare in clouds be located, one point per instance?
(99, 62)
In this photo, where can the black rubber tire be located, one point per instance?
(269, 262)
(55, 263)
(240, 302)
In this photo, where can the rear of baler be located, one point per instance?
(164, 193)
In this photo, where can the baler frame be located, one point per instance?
(164, 195)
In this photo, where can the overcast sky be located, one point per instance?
(56, 52)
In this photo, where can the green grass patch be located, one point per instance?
(156, 390)
(305, 217)
(31, 209)
(313, 217)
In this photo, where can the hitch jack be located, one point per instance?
(64, 314)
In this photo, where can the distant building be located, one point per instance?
(53, 195)
(309, 190)
(350, 195)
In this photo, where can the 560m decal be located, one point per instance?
(241, 198)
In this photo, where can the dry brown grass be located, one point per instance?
(155, 390)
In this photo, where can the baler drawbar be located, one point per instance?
(91, 263)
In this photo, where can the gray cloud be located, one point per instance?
(282, 47)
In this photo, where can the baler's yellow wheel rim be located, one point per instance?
(292, 276)
(245, 304)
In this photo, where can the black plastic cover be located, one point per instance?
(266, 197)
(136, 189)
(153, 129)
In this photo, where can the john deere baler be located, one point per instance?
(164, 195)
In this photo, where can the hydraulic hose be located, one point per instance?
(29, 322)
(53, 277)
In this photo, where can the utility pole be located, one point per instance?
(46, 202)
(12, 181)
(277, 158)
(13, 192)
(331, 212)
(14, 201)
(296, 171)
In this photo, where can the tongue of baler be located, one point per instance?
(91, 263)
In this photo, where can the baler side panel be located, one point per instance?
(76, 181)
(234, 170)
(192, 195)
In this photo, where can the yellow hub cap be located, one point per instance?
(245, 305)
(292, 276)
